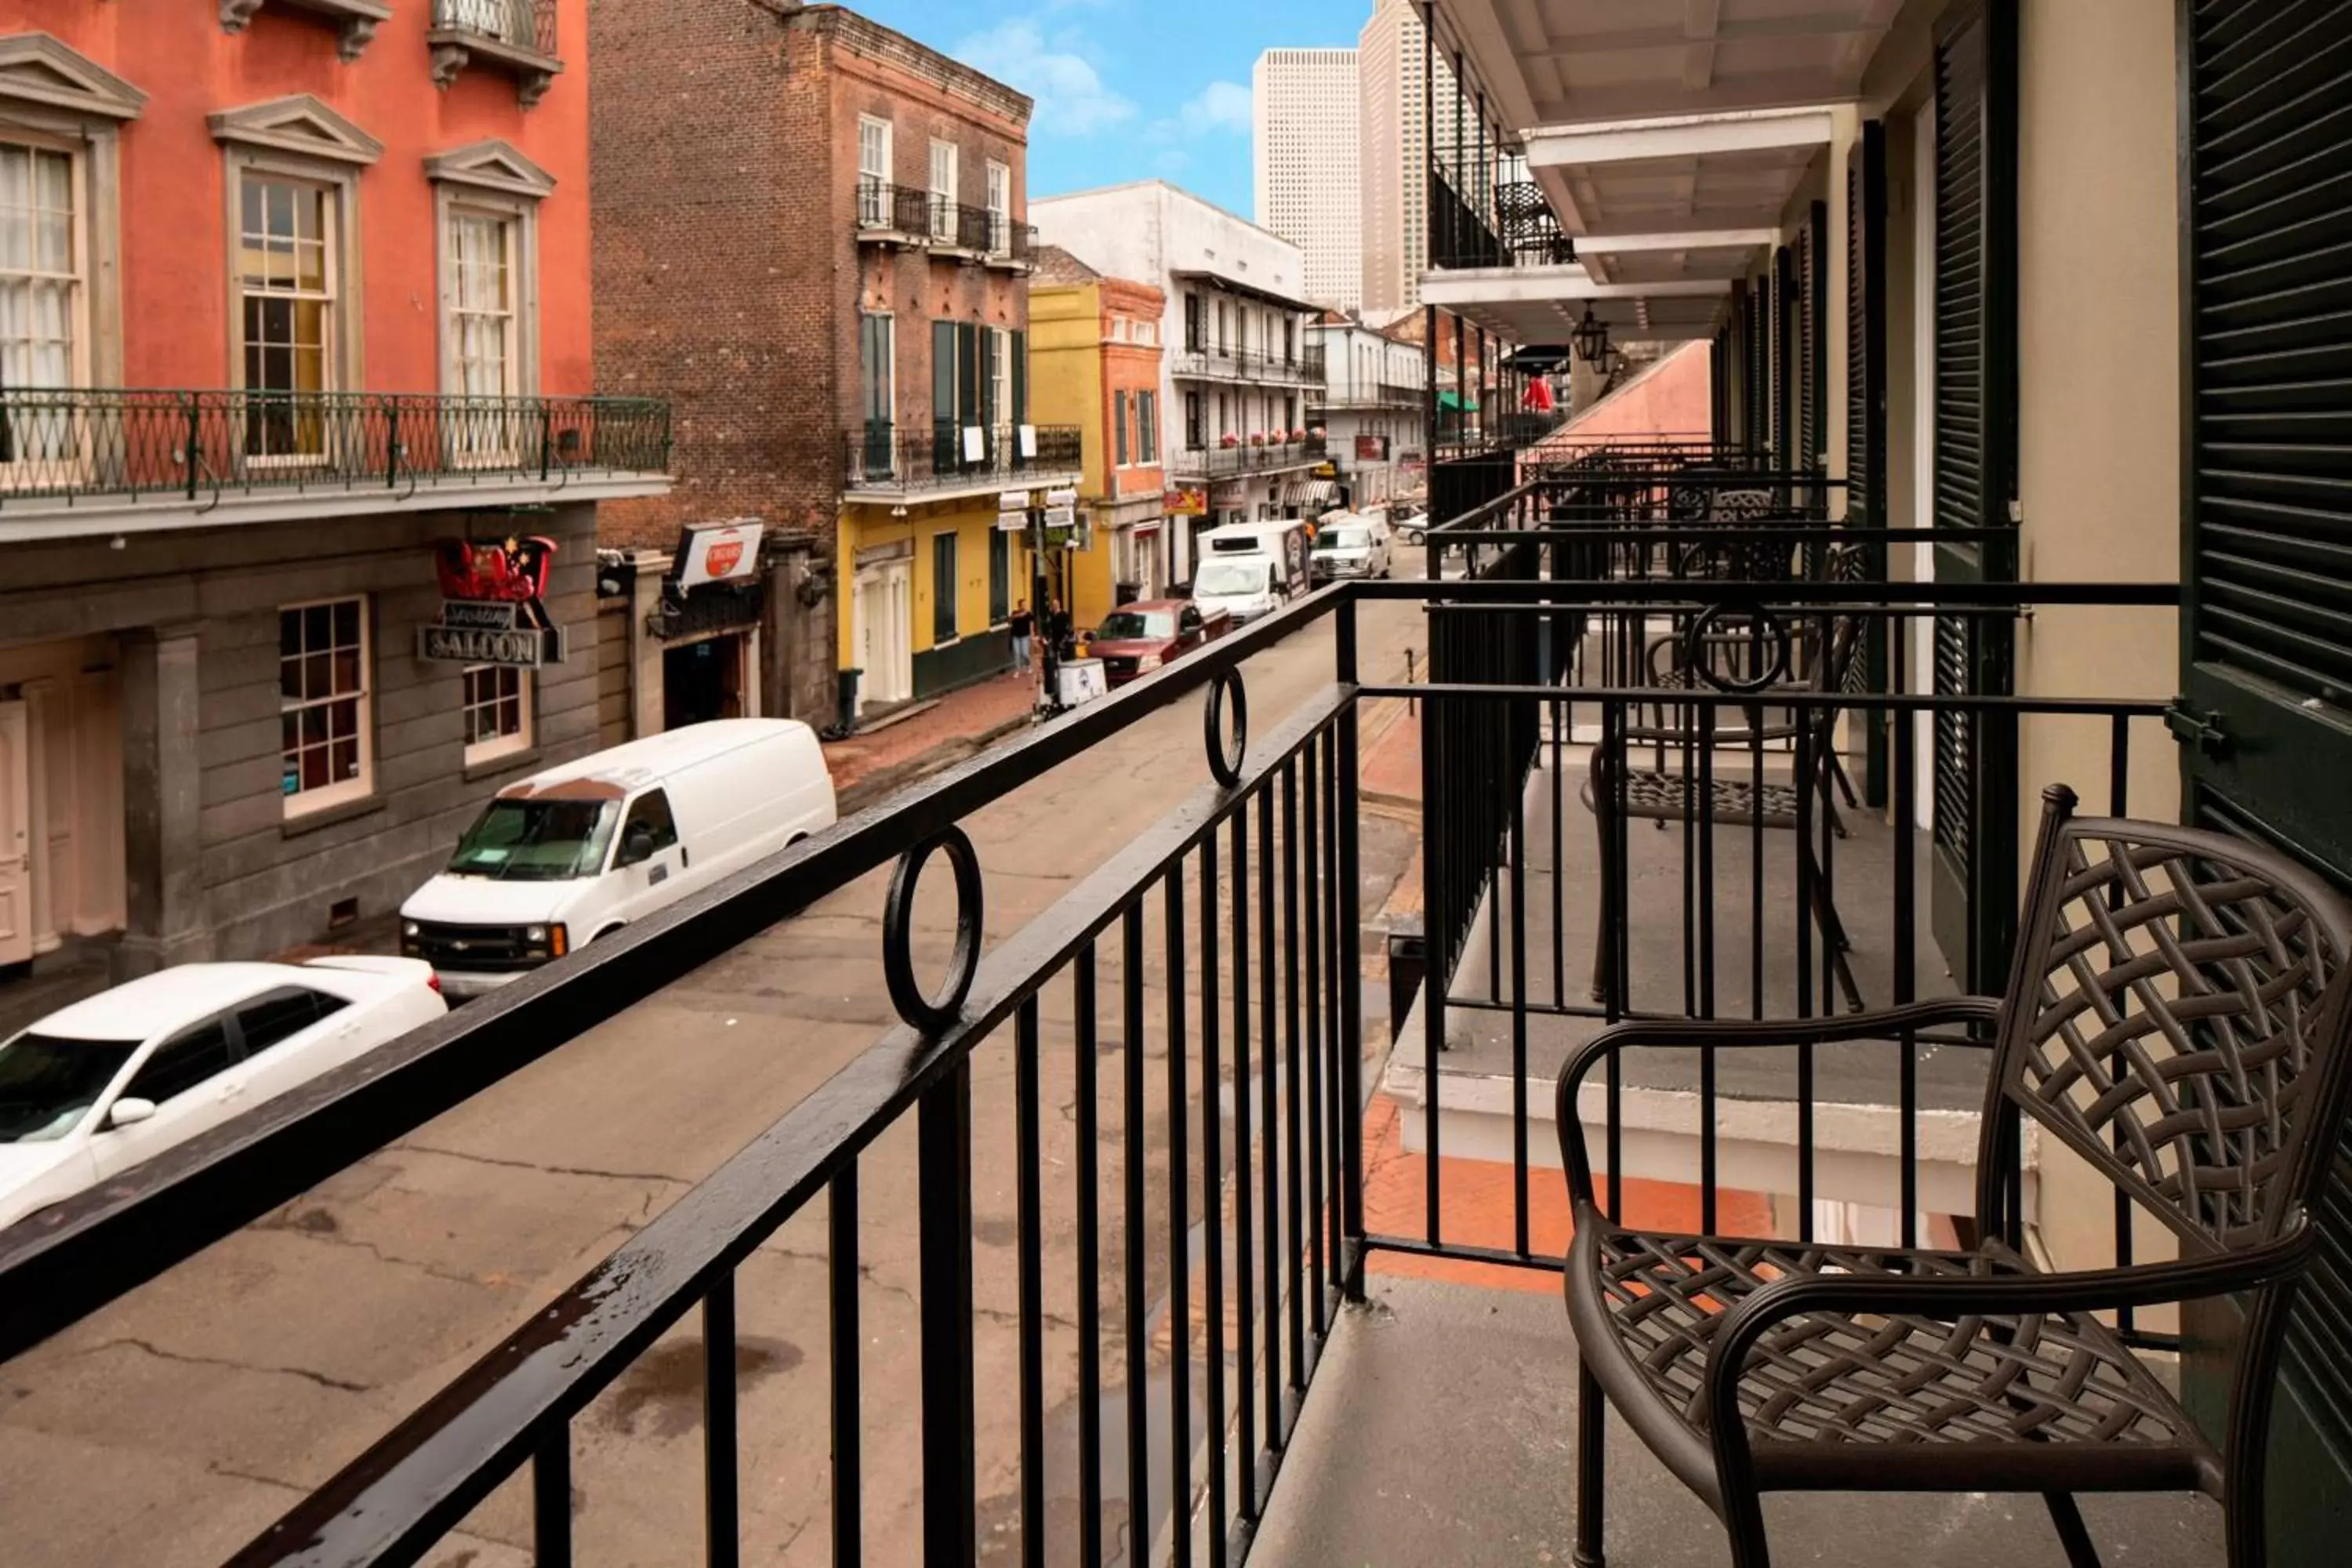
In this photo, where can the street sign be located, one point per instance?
(1063, 498)
(1013, 501)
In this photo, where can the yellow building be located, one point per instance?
(1095, 363)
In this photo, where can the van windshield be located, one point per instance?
(1230, 579)
(1336, 538)
(537, 840)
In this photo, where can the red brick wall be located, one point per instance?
(1131, 368)
(174, 243)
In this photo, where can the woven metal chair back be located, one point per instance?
(2177, 1016)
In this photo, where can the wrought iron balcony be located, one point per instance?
(518, 37)
(959, 227)
(1204, 363)
(892, 214)
(99, 446)
(1268, 456)
(1011, 244)
(1506, 224)
(886, 458)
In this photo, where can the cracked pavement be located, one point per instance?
(176, 1424)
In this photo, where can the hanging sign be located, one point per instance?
(718, 554)
(517, 647)
(1185, 500)
(492, 608)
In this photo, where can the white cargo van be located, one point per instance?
(566, 856)
(1250, 569)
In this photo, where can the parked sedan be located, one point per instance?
(1411, 525)
(96, 1087)
(1135, 640)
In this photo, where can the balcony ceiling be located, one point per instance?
(1540, 306)
(1557, 62)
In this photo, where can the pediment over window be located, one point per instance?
(301, 123)
(37, 68)
(495, 164)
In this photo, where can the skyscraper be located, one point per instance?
(1395, 151)
(1309, 179)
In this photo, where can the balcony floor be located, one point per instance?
(1379, 1475)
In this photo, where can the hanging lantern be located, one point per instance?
(1591, 338)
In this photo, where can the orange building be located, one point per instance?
(291, 292)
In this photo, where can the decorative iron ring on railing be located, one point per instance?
(1702, 629)
(922, 1012)
(1226, 766)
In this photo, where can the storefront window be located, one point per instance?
(498, 713)
(323, 687)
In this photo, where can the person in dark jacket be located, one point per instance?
(1058, 627)
(1021, 624)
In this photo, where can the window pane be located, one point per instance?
(181, 1063)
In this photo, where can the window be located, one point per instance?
(498, 713)
(1196, 323)
(652, 824)
(1119, 329)
(482, 303)
(1194, 439)
(183, 1062)
(999, 411)
(1147, 426)
(1148, 334)
(41, 300)
(877, 381)
(943, 191)
(280, 1014)
(322, 703)
(1118, 427)
(943, 588)
(874, 209)
(287, 283)
(999, 208)
(1000, 576)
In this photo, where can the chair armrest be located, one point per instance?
(1964, 1296)
(1691, 1032)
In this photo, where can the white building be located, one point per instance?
(1309, 178)
(1394, 144)
(1371, 409)
(1238, 372)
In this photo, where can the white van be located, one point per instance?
(1250, 569)
(568, 855)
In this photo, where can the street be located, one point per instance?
(172, 1426)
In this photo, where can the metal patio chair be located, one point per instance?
(2177, 1018)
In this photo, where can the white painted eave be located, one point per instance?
(28, 520)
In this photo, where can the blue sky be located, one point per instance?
(1129, 90)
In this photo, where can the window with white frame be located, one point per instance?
(1000, 392)
(41, 281)
(496, 710)
(482, 313)
(943, 190)
(323, 685)
(873, 171)
(1000, 206)
(1148, 334)
(288, 248)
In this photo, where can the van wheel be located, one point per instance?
(608, 930)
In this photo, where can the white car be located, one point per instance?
(1413, 526)
(96, 1087)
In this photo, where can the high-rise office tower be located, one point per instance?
(1309, 179)
(1395, 151)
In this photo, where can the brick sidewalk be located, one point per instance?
(951, 728)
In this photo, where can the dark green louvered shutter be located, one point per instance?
(2267, 623)
(1865, 399)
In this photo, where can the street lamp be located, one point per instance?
(1591, 338)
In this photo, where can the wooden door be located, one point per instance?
(15, 836)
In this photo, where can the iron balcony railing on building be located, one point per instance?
(892, 458)
(884, 209)
(1012, 242)
(957, 226)
(1215, 962)
(525, 25)
(1304, 368)
(1491, 224)
(1242, 457)
(94, 444)
(1380, 395)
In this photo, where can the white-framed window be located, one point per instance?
(324, 720)
(483, 314)
(498, 713)
(289, 249)
(43, 299)
(1000, 206)
(874, 148)
(1147, 332)
(1000, 392)
(1119, 329)
(943, 190)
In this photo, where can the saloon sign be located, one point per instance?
(492, 608)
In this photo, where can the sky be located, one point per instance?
(1129, 89)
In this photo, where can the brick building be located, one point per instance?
(1095, 359)
(810, 235)
(353, 246)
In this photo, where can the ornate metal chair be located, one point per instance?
(2177, 1018)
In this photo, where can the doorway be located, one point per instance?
(703, 680)
(883, 633)
(16, 839)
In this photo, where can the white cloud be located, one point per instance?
(1220, 105)
(1071, 98)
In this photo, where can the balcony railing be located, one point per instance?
(1197, 1005)
(1225, 462)
(884, 209)
(955, 225)
(105, 444)
(1385, 394)
(1505, 223)
(886, 456)
(1304, 368)
(527, 25)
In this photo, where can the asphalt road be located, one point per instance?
(171, 1427)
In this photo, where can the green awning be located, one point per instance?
(1454, 400)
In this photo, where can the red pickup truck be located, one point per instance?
(1135, 640)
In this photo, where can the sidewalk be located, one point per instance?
(875, 763)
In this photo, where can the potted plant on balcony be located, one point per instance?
(1229, 441)
(1299, 434)
(1257, 438)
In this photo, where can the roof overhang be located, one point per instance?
(1542, 305)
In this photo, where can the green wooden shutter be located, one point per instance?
(1865, 402)
(1974, 897)
(1021, 378)
(945, 449)
(1814, 283)
(2267, 622)
(1782, 315)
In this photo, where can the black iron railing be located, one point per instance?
(883, 456)
(527, 25)
(1246, 458)
(1212, 364)
(116, 444)
(886, 209)
(962, 226)
(1211, 966)
(1010, 241)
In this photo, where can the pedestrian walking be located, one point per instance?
(1022, 624)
